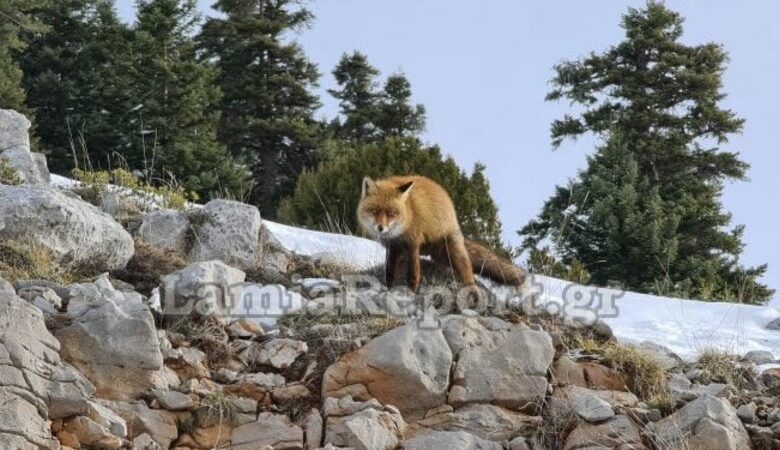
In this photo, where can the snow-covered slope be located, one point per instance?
(685, 326)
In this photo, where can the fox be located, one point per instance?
(413, 216)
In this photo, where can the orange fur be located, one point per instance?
(413, 215)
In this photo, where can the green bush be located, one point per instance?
(327, 198)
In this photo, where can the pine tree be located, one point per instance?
(15, 18)
(176, 118)
(267, 82)
(77, 77)
(656, 223)
(370, 114)
(327, 198)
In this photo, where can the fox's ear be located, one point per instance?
(369, 186)
(405, 189)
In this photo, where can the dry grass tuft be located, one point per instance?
(215, 409)
(8, 175)
(207, 334)
(147, 265)
(647, 371)
(721, 367)
(35, 262)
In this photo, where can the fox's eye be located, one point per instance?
(392, 213)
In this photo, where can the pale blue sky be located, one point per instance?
(482, 67)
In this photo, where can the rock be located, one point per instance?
(518, 443)
(668, 359)
(43, 298)
(73, 231)
(265, 304)
(208, 288)
(69, 392)
(175, 401)
(707, 422)
(484, 358)
(228, 231)
(29, 355)
(244, 329)
(367, 429)
(451, 440)
(602, 377)
(407, 367)
(291, 393)
(564, 399)
(15, 148)
(592, 408)
(188, 362)
(144, 442)
(6, 287)
(90, 433)
(774, 325)
(158, 424)
(486, 421)
(747, 413)
(759, 357)
(106, 418)
(771, 378)
(279, 353)
(166, 229)
(313, 429)
(566, 371)
(269, 429)
(112, 340)
(616, 433)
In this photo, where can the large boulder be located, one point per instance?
(498, 363)
(28, 357)
(208, 288)
(618, 433)
(451, 440)
(15, 148)
(166, 229)
(486, 421)
(112, 339)
(706, 423)
(269, 430)
(230, 232)
(72, 230)
(408, 367)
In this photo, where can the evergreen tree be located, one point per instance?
(15, 18)
(658, 223)
(176, 118)
(77, 77)
(327, 199)
(267, 105)
(368, 113)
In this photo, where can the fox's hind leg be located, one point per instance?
(451, 252)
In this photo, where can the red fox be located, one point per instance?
(413, 215)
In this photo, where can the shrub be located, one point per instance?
(8, 175)
(169, 194)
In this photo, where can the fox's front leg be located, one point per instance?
(392, 263)
(414, 275)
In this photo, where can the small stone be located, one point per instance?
(592, 409)
(175, 401)
(747, 413)
(759, 357)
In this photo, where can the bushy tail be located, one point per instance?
(488, 264)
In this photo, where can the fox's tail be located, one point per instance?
(488, 264)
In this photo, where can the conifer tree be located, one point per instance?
(176, 118)
(369, 113)
(16, 17)
(267, 81)
(78, 80)
(646, 213)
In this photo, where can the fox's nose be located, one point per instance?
(381, 228)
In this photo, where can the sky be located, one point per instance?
(482, 68)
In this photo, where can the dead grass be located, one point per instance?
(721, 367)
(147, 265)
(646, 370)
(35, 262)
(205, 333)
(327, 345)
(215, 409)
(8, 175)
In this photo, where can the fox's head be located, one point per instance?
(383, 211)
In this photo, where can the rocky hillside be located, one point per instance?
(123, 325)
